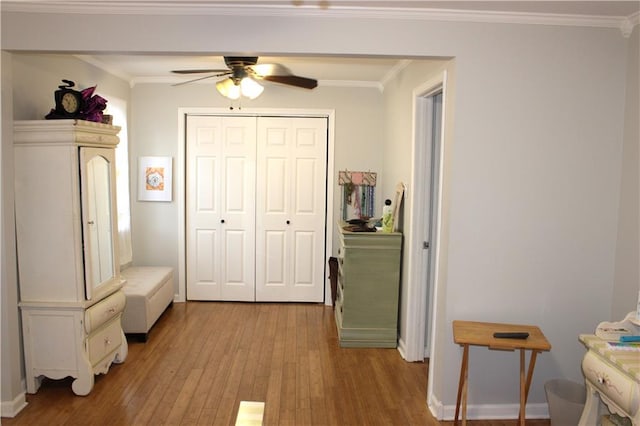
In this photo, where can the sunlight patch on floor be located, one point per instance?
(250, 413)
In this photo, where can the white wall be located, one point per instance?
(532, 175)
(533, 169)
(627, 273)
(37, 76)
(12, 368)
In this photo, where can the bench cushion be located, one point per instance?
(149, 290)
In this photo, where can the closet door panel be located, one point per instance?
(305, 256)
(206, 191)
(292, 159)
(205, 270)
(221, 169)
(275, 252)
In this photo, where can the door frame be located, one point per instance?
(421, 293)
(180, 178)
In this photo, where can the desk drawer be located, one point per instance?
(104, 341)
(104, 311)
(618, 387)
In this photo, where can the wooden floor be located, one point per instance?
(203, 358)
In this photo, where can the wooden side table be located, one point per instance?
(467, 333)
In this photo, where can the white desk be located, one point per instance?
(611, 375)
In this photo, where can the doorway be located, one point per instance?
(425, 207)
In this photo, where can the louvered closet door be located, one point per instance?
(221, 167)
(290, 216)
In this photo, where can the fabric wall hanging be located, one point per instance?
(358, 194)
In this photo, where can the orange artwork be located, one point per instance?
(154, 178)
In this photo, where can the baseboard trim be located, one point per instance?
(498, 411)
(488, 411)
(12, 408)
(402, 349)
(436, 407)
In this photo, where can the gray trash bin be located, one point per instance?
(566, 401)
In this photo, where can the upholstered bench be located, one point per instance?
(149, 290)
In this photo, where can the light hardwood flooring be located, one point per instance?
(203, 358)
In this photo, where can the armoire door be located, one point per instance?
(97, 180)
(220, 206)
(291, 209)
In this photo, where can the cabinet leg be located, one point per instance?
(122, 353)
(590, 411)
(83, 384)
(33, 384)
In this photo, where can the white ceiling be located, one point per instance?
(332, 70)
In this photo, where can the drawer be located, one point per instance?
(104, 311)
(104, 341)
(611, 382)
(340, 295)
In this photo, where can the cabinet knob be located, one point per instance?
(288, 222)
(222, 221)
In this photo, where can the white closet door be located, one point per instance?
(290, 216)
(221, 167)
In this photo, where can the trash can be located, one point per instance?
(566, 401)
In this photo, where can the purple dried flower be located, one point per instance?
(93, 105)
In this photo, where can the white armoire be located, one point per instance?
(71, 300)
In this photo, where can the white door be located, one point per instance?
(220, 208)
(291, 209)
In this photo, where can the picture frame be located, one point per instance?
(397, 200)
(155, 178)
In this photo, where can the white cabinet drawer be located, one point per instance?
(104, 311)
(104, 341)
(618, 387)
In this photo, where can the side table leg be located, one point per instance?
(523, 387)
(462, 386)
(527, 385)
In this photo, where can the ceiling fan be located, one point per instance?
(242, 73)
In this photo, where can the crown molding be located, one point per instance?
(116, 7)
(629, 23)
(393, 72)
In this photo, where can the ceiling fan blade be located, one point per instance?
(196, 79)
(262, 70)
(198, 71)
(292, 80)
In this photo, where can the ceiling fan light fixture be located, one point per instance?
(228, 88)
(250, 88)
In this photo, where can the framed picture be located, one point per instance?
(397, 200)
(154, 178)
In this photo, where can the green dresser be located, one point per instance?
(366, 307)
